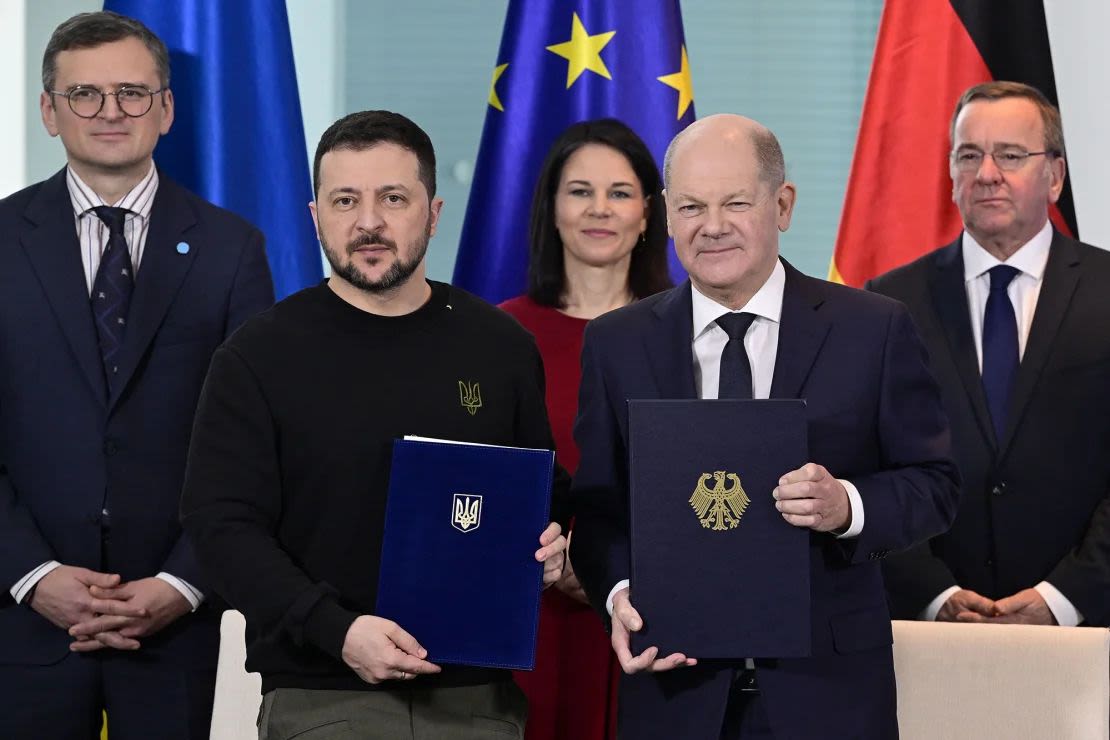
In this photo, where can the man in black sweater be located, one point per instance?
(289, 464)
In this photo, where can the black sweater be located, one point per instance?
(288, 468)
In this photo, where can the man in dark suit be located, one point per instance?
(1016, 317)
(880, 480)
(116, 285)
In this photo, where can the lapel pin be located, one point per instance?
(182, 248)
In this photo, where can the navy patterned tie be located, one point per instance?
(1000, 347)
(736, 370)
(111, 294)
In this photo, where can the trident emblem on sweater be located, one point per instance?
(719, 508)
(467, 512)
(470, 396)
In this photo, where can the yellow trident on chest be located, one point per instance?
(720, 507)
(470, 396)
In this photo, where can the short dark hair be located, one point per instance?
(647, 273)
(999, 89)
(365, 129)
(89, 30)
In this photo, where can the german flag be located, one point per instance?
(898, 204)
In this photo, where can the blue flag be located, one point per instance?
(563, 61)
(237, 137)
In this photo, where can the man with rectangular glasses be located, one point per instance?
(116, 286)
(1016, 316)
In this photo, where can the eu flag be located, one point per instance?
(237, 137)
(563, 61)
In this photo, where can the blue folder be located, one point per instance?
(717, 573)
(458, 567)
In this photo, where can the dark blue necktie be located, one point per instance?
(1000, 347)
(111, 294)
(736, 371)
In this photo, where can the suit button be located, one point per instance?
(999, 489)
(111, 447)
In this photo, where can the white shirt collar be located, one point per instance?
(1030, 257)
(139, 200)
(766, 303)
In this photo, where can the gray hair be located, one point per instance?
(768, 153)
(1000, 89)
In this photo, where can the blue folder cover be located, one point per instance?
(717, 573)
(458, 567)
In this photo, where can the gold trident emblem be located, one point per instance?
(467, 512)
(718, 507)
(470, 396)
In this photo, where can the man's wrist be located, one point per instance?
(30, 595)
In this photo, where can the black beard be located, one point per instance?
(397, 275)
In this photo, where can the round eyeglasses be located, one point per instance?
(1007, 160)
(134, 101)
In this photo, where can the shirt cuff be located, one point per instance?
(27, 582)
(1065, 612)
(929, 613)
(609, 601)
(856, 503)
(192, 595)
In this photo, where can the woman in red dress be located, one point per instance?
(598, 242)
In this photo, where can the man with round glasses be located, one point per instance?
(135, 101)
(116, 286)
(1016, 317)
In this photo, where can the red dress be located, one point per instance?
(572, 693)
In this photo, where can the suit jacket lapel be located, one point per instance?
(54, 251)
(670, 347)
(1061, 276)
(802, 332)
(949, 293)
(159, 276)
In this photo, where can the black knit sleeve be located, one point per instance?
(231, 506)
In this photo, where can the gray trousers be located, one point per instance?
(495, 711)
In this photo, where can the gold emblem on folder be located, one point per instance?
(470, 396)
(720, 507)
(466, 512)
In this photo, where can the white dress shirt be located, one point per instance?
(93, 236)
(1023, 291)
(761, 344)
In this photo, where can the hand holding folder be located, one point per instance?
(379, 650)
(627, 620)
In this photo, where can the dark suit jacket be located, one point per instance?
(874, 418)
(68, 450)
(1036, 504)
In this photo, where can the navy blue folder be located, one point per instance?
(717, 573)
(458, 568)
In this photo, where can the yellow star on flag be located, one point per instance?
(493, 99)
(681, 81)
(583, 51)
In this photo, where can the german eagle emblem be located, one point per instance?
(720, 507)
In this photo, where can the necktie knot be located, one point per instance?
(114, 218)
(1001, 276)
(736, 324)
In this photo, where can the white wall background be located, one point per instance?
(1081, 60)
(13, 125)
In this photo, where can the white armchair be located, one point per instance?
(988, 681)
